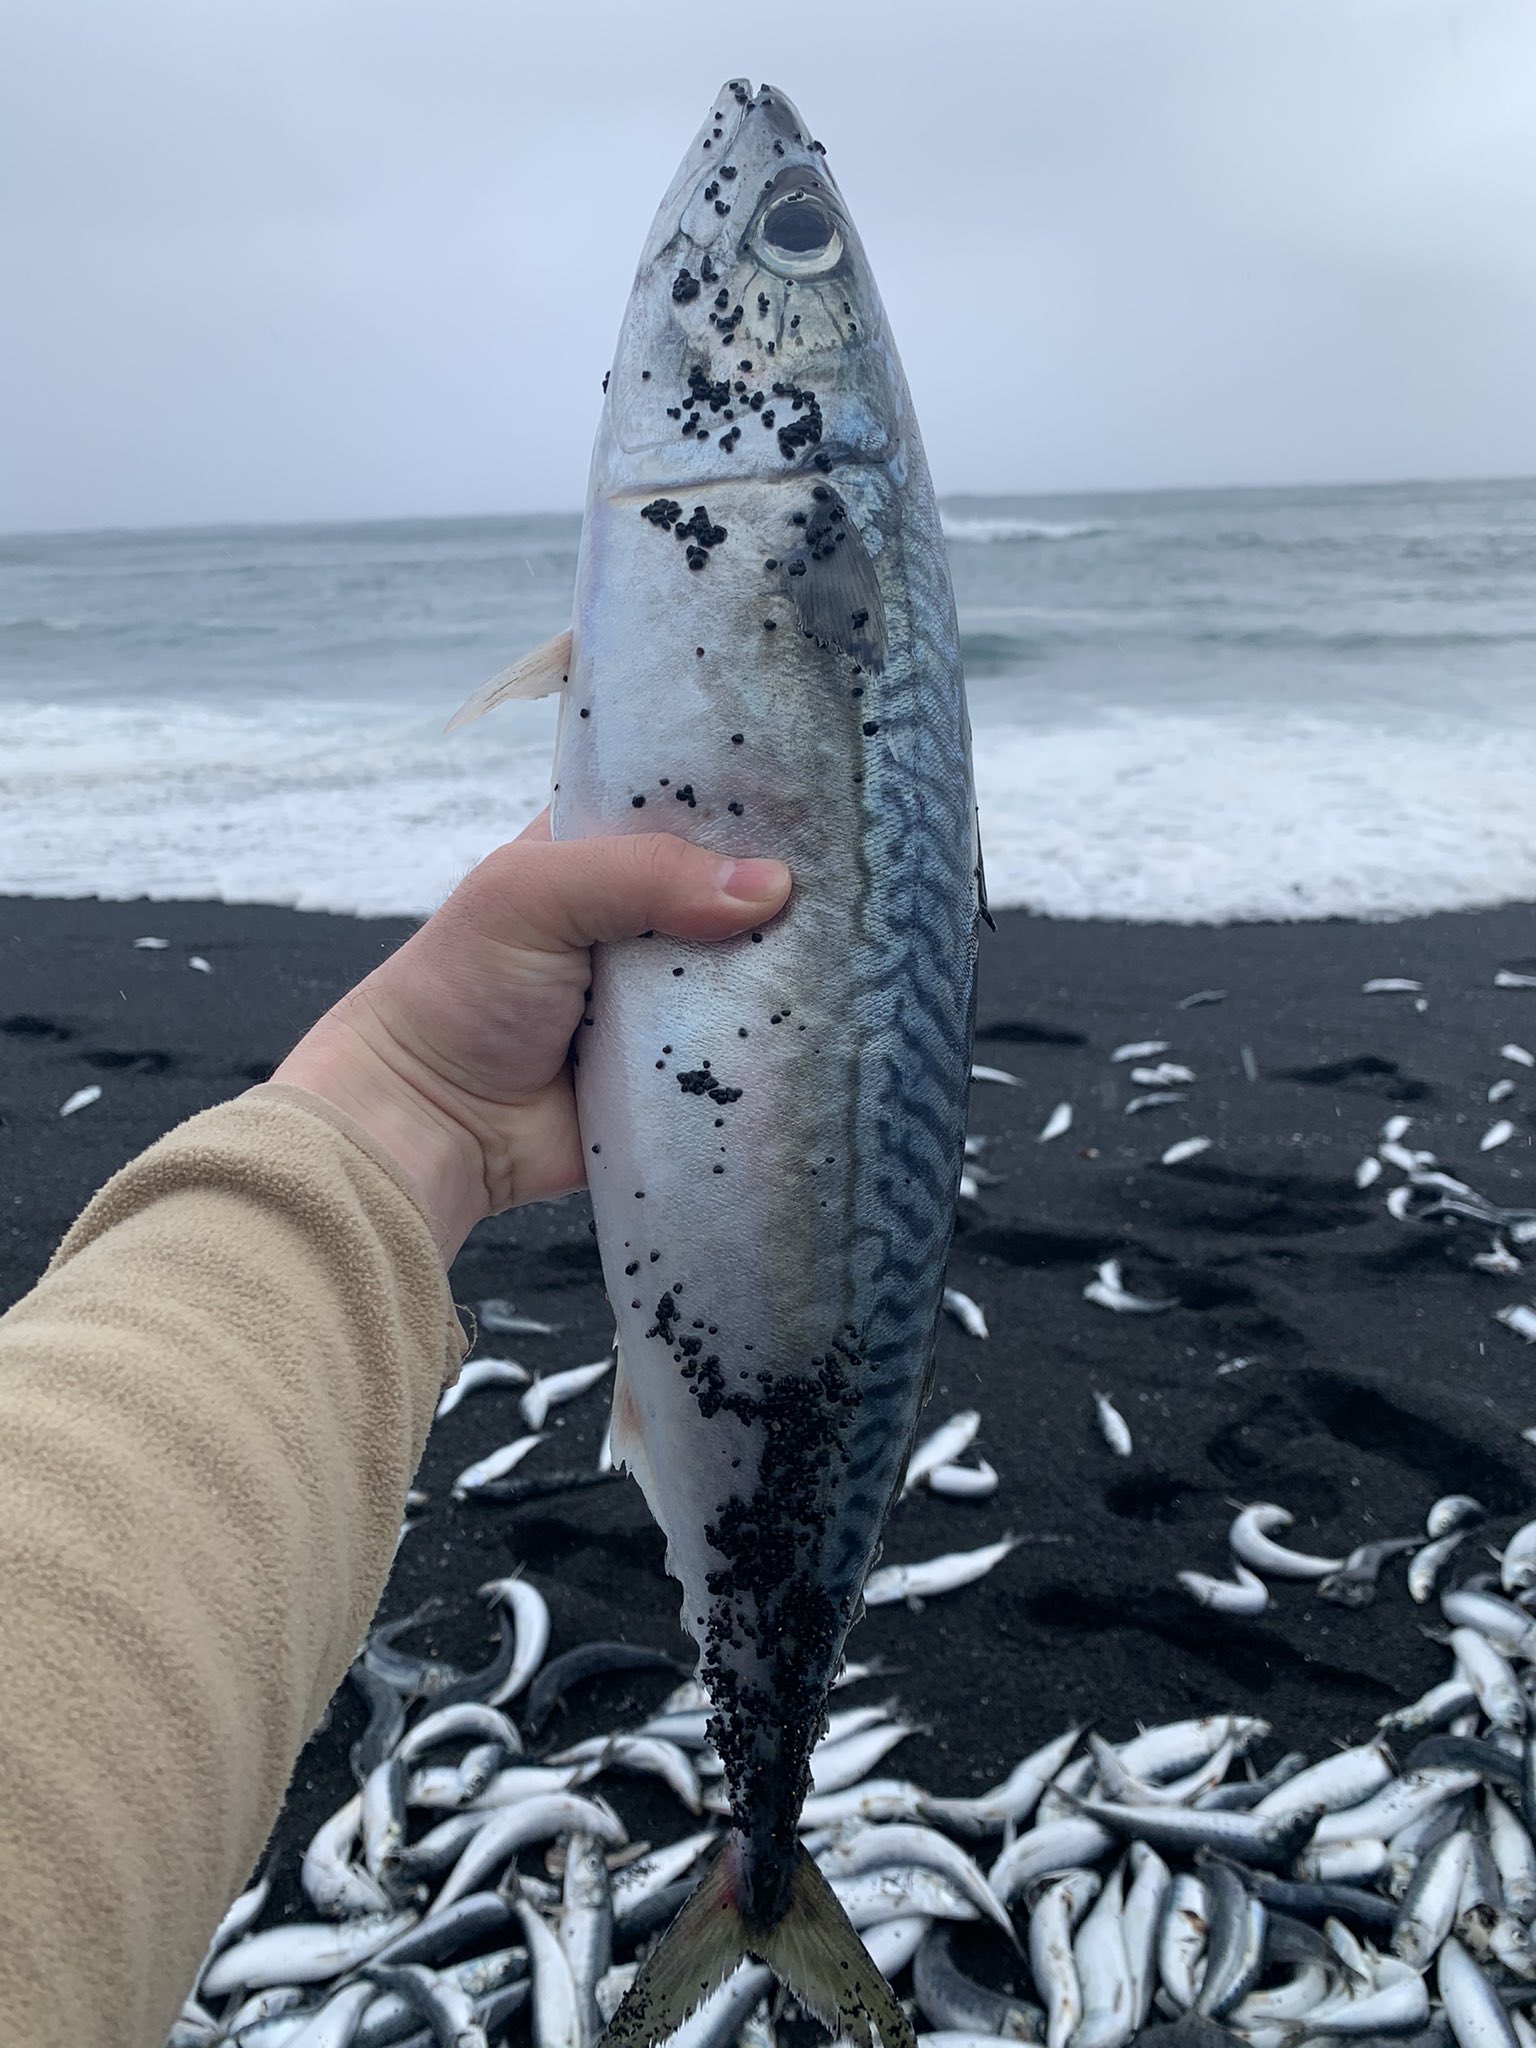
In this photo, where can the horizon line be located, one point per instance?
(337, 520)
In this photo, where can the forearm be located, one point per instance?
(210, 1409)
(376, 1082)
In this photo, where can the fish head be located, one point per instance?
(754, 342)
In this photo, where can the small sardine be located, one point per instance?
(585, 1931)
(1181, 1940)
(1186, 1148)
(1517, 1566)
(954, 2002)
(1251, 1538)
(557, 2021)
(894, 1893)
(553, 1390)
(1453, 1511)
(517, 1783)
(331, 1881)
(239, 1915)
(868, 1799)
(386, 1720)
(936, 1575)
(1113, 1427)
(1396, 2005)
(1246, 1593)
(1400, 1801)
(1117, 1783)
(1014, 1800)
(495, 1465)
(1355, 1585)
(1237, 1924)
(966, 1312)
(1050, 1847)
(1472, 2005)
(1428, 1909)
(1248, 1837)
(1103, 1970)
(500, 1315)
(641, 1880)
(1430, 1562)
(301, 1952)
(530, 1616)
(947, 1443)
(383, 1816)
(964, 1482)
(1054, 1913)
(1146, 1901)
(1513, 1853)
(1499, 1620)
(578, 1666)
(445, 2005)
(1347, 1862)
(1342, 1780)
(1056, 1125)
(900, 1843)
(510, 1829)
(470, 1720)
(837, 1765)
(1107, 1290)
(1491, 1677)
(1158, 1754)
(478, 1373)
(649, 1755)
(474, 1918)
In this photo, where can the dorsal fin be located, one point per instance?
(540, 674)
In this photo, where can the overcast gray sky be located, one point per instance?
(290, 259)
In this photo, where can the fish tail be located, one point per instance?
(811, 1948)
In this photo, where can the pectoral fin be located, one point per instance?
(831, 580)
(540, 674)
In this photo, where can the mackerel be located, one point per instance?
(765, 658)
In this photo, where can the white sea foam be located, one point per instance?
(1183, 818)
(961, 526)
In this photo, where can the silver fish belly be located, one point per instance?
(765, 659)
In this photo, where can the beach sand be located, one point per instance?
(1377, 1377)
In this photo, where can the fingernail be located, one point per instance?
(753, 881)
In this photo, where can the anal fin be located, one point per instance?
(543, 673)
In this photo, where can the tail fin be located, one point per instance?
(813, 1951)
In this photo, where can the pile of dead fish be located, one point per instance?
(479, 1887)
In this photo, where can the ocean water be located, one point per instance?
(1197, 706)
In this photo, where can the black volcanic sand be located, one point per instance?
(1377, 1378)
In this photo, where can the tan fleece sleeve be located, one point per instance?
(211, 1407)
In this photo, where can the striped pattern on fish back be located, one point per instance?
(920, 919)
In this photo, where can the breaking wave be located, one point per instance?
(1163, 816)
(961, 526)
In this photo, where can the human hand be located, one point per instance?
(454, 1054)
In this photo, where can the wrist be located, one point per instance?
(439, 1159)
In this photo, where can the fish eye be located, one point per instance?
(798, 227)
(799, 236)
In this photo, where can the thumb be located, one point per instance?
(566, 895)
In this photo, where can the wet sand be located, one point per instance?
(1375, 1377)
